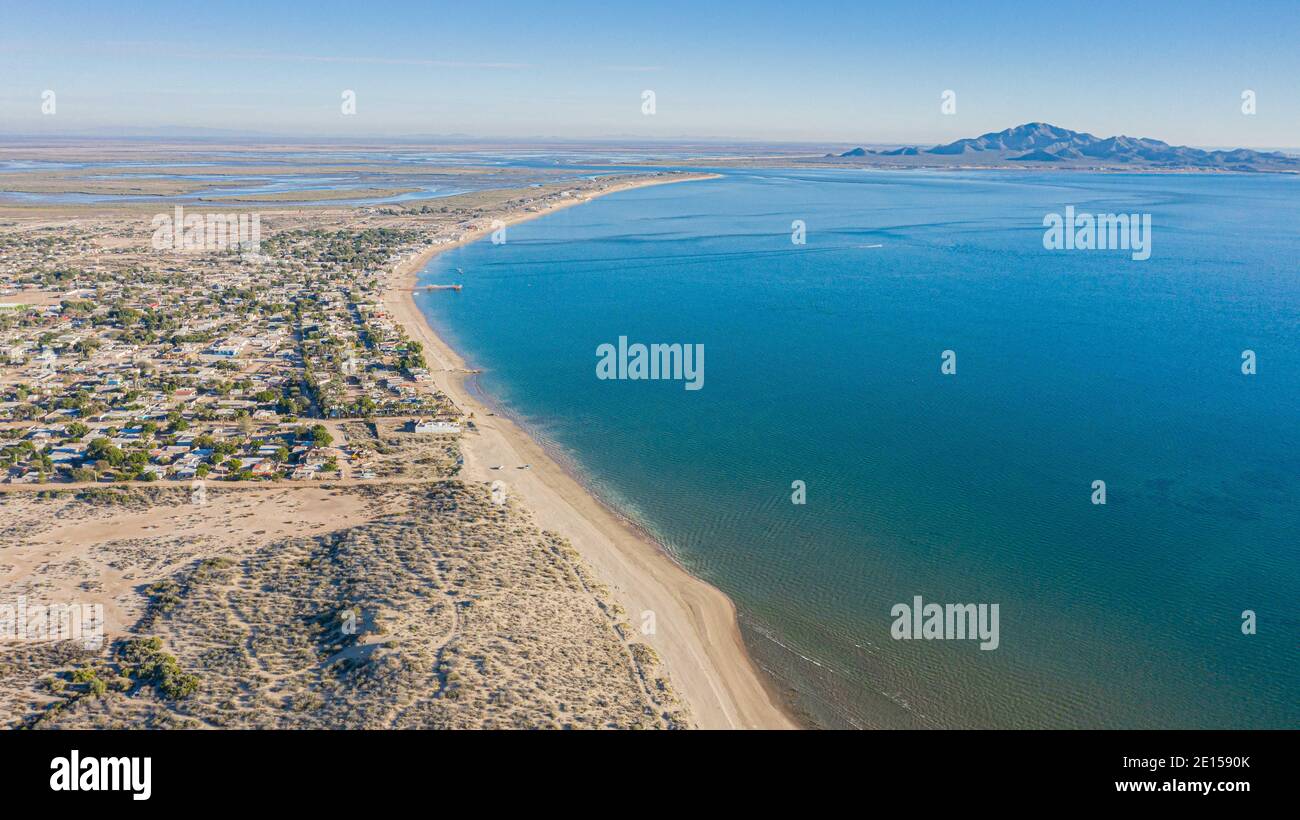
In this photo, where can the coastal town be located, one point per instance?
(254, 470)
(119, 363)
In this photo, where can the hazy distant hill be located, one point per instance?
(1040, 142)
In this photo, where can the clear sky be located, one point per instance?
(790, 70)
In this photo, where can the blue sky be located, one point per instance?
(834, 72)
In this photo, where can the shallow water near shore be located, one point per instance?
(823, 366)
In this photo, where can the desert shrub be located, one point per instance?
(149, 664)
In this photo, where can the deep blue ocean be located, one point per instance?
(822, 365)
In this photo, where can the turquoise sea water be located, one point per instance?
(823, 365)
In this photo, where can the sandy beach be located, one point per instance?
(696, 634)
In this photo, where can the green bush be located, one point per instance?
(148, 663)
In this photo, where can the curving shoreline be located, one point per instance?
(697, 634)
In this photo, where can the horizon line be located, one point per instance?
(234, 135)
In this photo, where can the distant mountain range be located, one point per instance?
(1039, 143)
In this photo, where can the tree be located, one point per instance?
(86, 347)
(102, 449)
